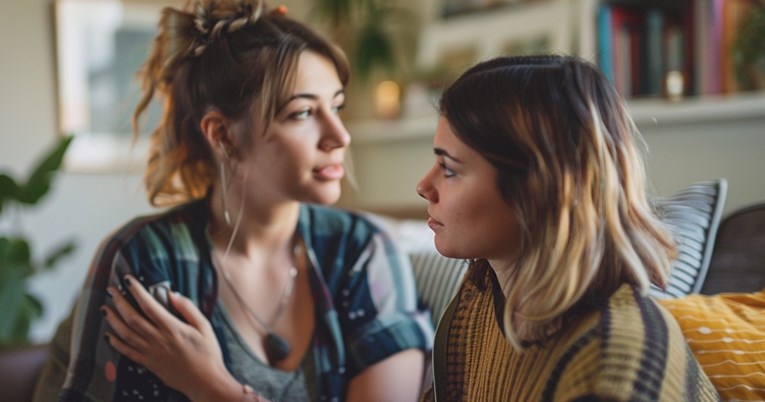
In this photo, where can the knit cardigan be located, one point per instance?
(629, 348)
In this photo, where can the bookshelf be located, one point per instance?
(700, 134)
(642, 43)
(637, 43)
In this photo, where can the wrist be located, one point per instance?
(249, 395)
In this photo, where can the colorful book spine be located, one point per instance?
(654, 58)
(605, 42)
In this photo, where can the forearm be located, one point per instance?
(397, 378)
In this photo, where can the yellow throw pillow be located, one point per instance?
(726, 333)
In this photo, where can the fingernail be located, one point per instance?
(127, 281)
(109, 292)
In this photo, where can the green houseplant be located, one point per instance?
(370, 31)
(17, 261)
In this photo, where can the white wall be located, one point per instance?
(81, 207)
(86, 206)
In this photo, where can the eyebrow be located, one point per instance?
(442, 152)
(311, 96)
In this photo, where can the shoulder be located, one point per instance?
(330, 226)
(161, 230)
(324, 219)
(643, 351)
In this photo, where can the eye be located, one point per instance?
(447, 171)
(338, 108)
(301, 114)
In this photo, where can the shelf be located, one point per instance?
(699, 110)
(644, 111)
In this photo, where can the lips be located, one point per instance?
(434, 224)
(334, 171)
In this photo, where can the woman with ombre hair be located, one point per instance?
(539, 182)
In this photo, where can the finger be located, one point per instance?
(124, 348)
(122, 330)
(134, 319)
(189, 311)
(155, 312)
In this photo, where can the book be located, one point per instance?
(654, 57)
(605, 42)
(733, 14)
(626, 27)
(701, 15)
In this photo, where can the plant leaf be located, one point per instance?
(8, 189)
(39, 181)
(31, 309)
(14, 251)
(62, 251)
(11, 300)
(373, 47)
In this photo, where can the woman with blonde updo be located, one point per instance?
(248, 287)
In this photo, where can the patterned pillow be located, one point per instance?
(726, 333)
(438, 279)
(692, 216)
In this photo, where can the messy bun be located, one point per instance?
(223, 55)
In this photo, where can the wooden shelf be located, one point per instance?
(698, 110)
(644, 111)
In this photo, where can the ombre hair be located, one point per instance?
(568, 163)
(225, 55)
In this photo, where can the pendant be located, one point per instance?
(276, 347)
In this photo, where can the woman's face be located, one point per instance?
(467, 212)
(300, 157)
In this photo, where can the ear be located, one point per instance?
(216, 128)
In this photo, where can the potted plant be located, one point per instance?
(17, 260)
(369, 31)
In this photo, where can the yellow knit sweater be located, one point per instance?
(630, 349)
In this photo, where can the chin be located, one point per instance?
(326, 196)
(445, 250)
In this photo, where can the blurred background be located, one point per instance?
(692, 71)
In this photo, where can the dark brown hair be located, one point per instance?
(226, 55)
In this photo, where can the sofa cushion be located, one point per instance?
(692, 216)
(738, 260)
(726, 333)
(438, 278)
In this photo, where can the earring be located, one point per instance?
(223, 193)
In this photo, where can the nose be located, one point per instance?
(334, 133)
(425, 188)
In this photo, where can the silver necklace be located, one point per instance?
(277, 348)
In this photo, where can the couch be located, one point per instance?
(716, 254)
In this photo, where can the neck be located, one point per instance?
(255, 226)
(504, 272)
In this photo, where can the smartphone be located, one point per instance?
(160, 291)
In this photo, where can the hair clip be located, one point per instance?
(279, 10)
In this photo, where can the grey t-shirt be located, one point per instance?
(275, 384)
